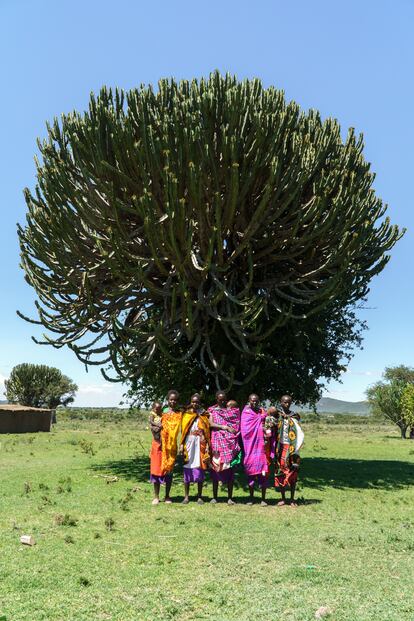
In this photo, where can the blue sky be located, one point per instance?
(352, 60)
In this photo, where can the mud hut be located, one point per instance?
(15, 418)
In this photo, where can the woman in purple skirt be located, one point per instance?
(195, 446)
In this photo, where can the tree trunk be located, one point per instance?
(412, 433)
(403, 429)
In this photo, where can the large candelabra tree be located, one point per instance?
(194, 222)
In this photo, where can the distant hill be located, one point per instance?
(336, 406)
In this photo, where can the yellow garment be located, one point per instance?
(204, 426)
(171, 423)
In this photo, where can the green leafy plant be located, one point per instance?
(37, 385)
(195, 227)
(87, 447)
(61, 519)
(394, 397)
(109, 524)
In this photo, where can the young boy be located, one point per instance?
(289, 443)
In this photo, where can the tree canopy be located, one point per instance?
(39, 386)
(207, 225)
(394, 397)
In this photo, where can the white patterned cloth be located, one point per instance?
(192, 445)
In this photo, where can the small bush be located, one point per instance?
(65, 485)
(109, 524)
(124, 502)
(87, 447)
(65, 520)
(84, 581)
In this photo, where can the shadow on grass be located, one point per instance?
(321, 472)
(315, 473)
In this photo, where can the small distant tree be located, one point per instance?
(39, 386)
(401, 373)
(394, 397)
(407, 403)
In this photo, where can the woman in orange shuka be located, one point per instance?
(164, 450)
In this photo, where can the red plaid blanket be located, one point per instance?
(225, 443)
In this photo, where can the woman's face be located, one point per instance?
(221, 399)
(173, 400)
(254, 402)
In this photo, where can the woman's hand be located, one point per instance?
(231, 429)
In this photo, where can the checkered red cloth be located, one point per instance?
(224, 443)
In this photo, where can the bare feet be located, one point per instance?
(281, 503)
(200, 501)
(263, 503)
(293, 503)
(249, 504)
(185, 501)
(231, 501)
(213, 501)
(168, 500)
(156, 501)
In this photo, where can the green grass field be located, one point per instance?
(104, 553)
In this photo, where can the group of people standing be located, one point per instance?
(219, 438)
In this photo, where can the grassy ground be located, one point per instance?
(104, 553)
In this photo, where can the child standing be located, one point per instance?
(290, 441)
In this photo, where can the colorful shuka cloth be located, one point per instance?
(255, 460)
(224, 444)
(195, 434)
(291, 439)
(171, 424)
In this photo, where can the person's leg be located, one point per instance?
(168, 483)
(251, 480)
(230, 485)
(293, 477)
(280, 479)
(156, 499)
(292, 495)
(263, 487)
(215, 482)
(215, 491)
(186, 493)
(200, 492)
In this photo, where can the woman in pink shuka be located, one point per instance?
(255, 460)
